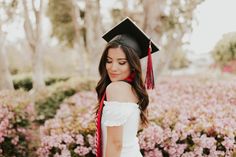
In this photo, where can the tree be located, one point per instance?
(166, 22)
(7, 8)
(224, 53)
(93, 25)
(169, 22)
(77, 28)
(34, 38)
(5, 79)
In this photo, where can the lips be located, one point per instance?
(113, 75)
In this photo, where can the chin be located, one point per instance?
(114, 80)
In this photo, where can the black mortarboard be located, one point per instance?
(129, 34)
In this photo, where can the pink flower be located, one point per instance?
(228, 143)
(91, 140)
(182, 110)
(207, 142)
(81, 150)
(15, 140)
(67, 139)
(80, 139)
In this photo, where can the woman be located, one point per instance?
(122, 86)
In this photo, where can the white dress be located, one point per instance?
(126, 114)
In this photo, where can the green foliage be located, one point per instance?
(116, 14)
(47, 107)
(59, 13)
(11, 150)
(51, 81)
(225, 49)
(25, 82)
(48, 103)
(179, 60)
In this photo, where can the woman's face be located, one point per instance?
(117, 65)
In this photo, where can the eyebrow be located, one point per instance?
(118, 58)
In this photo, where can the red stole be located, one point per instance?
(99, 118)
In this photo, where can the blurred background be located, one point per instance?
(57, 39)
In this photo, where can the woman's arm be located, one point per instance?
(117, 91)
(114, 141)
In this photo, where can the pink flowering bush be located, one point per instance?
(230, 67)
(71, 132)
(189, 117)
(16, 114)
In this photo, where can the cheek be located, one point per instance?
(126, 70)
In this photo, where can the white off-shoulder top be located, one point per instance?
(127, 114)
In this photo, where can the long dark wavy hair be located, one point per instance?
(137, 84)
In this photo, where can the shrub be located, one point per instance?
(48, 102)
(71, 132)
(224, 52)
(16, 115)
(47, 107)
(25, 81)
(179, 60)
(194, 119)
(197, 118)
(51, 81)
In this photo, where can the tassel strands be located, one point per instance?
(149, 81)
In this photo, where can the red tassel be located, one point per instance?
(149, 81)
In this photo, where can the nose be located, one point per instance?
(113, 67)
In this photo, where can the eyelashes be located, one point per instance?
(107, 61)
(120, 63)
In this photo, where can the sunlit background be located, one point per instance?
(187, 33)
(215, 18)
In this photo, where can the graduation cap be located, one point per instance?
(127, 33)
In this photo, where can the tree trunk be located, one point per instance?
(79, 45)
(153, 10)
(38, 77)
(38, 74)
(5, 76)
(34, 40)
(93, 33)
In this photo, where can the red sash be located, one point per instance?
(99, 118)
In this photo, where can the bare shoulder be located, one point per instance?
(118, 86)
(120, 91)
